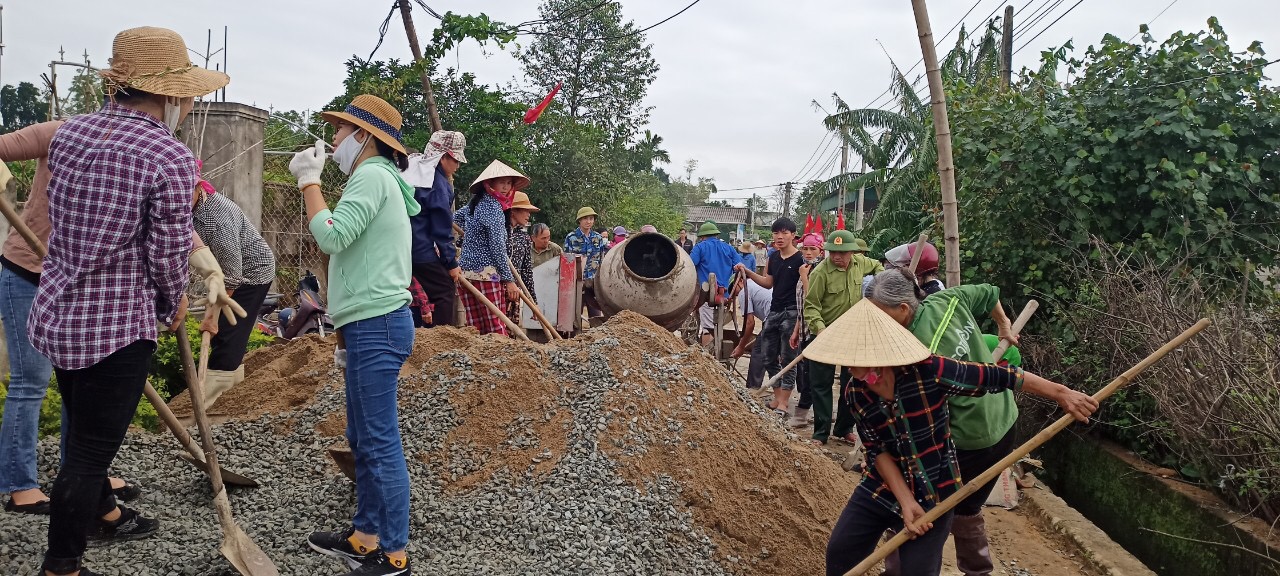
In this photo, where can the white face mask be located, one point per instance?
(172, 113)
(346, 153)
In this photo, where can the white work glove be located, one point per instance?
(307, 165)
(203, 263)
(340, 358)
(5, 177)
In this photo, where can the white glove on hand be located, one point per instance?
(340, 358)
(5, 177)
(307, 165)
(203, 263)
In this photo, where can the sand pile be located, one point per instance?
(620, 451)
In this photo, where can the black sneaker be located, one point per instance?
(379, 565)
(127, 492)
(129, 526)
(338, 544)
(83, 572)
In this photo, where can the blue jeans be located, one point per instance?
(376, 349)
(775, 343)
(28, 380)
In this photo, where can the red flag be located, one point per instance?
(532, 115)
(840, 220)
(819, 227)
(808, 224)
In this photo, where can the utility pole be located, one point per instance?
(844, 172)
(1006, 48)
(786, 201)
(407, 15)
(942, 132)
(862, 195)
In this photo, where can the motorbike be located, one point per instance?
(308, 317)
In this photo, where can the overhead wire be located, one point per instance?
(1046, 28)
(382, 30)
(617, 36)
(1026, 28)
(826, 134)
(1149, 22)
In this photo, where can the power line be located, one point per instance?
(623, 35)
(826, 134)
(719, 190)
(1042, 31)
(1149, 22)
(382, 30)
(1024, 29)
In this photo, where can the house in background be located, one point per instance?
(732, 221)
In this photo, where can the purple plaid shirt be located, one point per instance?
(120, 207)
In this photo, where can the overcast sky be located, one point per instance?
(737, 78)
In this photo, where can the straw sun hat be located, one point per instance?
(522, 202)
(155, 60)
(866, 337)
(497, 169)
(373, 115)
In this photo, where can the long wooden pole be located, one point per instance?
(527, 297)
(915, 258)
(942, 133)
(973, 485)
(1018, 325)
(493, 308)
(406, 14)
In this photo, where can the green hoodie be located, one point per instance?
(952, 331)
(369, 238)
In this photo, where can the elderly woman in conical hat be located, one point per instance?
(898, 397)
(369, 239)
(484, 245)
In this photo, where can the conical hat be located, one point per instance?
(866, 337)
(497, 169)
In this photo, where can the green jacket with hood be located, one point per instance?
(370, 242)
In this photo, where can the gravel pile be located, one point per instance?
(618, 452)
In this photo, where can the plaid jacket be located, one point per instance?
(913, 427)
(120, 212)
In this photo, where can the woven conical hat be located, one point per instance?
(497, 169)
(866, 337)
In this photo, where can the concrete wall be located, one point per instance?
(228, 137)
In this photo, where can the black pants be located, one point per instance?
(229, 344)
(802, 380)
(821, 377)
(975, 462)
(441, 292)
(858, 531)
(98, 404)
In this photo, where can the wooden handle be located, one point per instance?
(1018, 324)
(975, 484)
(915, 258)
(16, 221)
(784, 370)
(527, 297)
(171, 421)
(196, 391)
(493, 308)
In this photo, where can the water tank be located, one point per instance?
(650, 275)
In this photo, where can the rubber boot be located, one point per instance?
(973, 554)
(799, 418)
(892, 563)
(215, 383)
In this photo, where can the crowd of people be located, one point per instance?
(893, 360)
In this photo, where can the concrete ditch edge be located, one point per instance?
(1098, 549)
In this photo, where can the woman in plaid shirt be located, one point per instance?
(898, 398)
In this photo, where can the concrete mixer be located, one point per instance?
(650, 275)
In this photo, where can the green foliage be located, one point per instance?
(166, 372)
(605, 64)
(1164, 150)
(22, 106)
(85, 95)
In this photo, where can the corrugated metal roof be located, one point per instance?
(717, 214)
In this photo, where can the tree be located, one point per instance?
(85, 95)
(647, 152)
(605, 65)
(22, 106)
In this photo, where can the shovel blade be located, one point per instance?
(228, 477)
(245, 556)
(345, 460)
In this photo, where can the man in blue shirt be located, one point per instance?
(592, 246)
(435, 263)
(711, 255)
(748, 252)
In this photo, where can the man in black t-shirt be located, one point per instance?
(781, 274)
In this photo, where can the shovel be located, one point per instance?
(237, 548)
(188, 365)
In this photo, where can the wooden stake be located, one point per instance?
(1044, 436)
(493, 308)
(1018, 325)
(942, 133)
(915, 258)
(406, 14)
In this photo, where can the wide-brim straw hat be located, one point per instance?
(746, 248)
(373, 115)
(866, 337)
(155, 60)
(497, 169)
(522, 202)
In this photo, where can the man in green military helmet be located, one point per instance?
(835, 285)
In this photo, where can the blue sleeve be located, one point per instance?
(439, 208)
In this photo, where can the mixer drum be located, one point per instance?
(648, 274)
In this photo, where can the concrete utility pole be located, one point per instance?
(786, 201)
(844, 171)
(862, 196)
(1006, 48)
(942, 132)
(407, 15)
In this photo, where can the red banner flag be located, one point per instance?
(840, 220)
(819, 227)
(532, 115)
(808, 224)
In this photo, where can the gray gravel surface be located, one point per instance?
(582, 518)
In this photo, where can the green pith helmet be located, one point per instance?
(585, 211)
(845, 241)
(708, 229)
